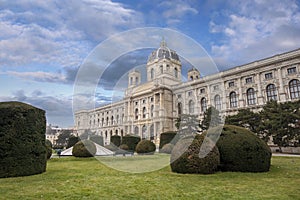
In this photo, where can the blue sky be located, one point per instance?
(43, 43)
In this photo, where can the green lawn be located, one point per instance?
(74, 178)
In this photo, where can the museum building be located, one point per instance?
(150, 108)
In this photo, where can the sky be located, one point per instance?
(43, 44)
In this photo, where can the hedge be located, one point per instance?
(22, 140)
(167, 137)
(116, 140)
(131, 141)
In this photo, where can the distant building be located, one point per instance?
(52, 133)
(151, 108)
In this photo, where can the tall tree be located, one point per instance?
(187, 125)
(63, 137)
(280, 121)
(211, 118)
(247, 119)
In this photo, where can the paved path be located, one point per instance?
(286, 154)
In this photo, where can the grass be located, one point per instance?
(74, 178)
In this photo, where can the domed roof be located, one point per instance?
(163, 52)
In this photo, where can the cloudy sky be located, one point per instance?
(43, 43)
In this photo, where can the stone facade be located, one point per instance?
(151, 108)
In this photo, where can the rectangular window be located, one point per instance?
(202, 91)
(190, 93)
(231, 84)
(249, 80)
(291, 70)
(179, 96)
(268, 75)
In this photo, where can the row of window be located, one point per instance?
(271, 92)
(152, 74)
(144, 113)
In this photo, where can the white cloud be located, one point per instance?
(58, 32)
(175, 10)
(254, 30)
(39, 76)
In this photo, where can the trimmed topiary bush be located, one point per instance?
(145, 147)
(116, 140)
(185, 157)
(131, 141)
(84, 148)
(167, 148)
(123, 149)
(241, 150)
(22, 140)
(167, 137)
(49, 148)
(98, 139)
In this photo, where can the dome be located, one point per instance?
(163, 52)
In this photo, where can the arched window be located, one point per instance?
(191, 106)
(144, 132)
(218, 103)
(271, 92)
(136, 113)
(176, 72)
(117, 119)
(152, 73)
(131, 81)
(105, 134)
(168, 67)
(122, 133)
(161, 69)
(136, 130)
(179, 107)
(152, 110)
(136, 80)
(203, 104)
(294, 86)
(152, 132)
(116, 132)
(112, 120)
(107, 121)
(233, 100)
(144, 112)
(251, 96)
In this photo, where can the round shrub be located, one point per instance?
(187, 158)
(241, 150)
(49, 148)
(131, 141)
(167, 148)
(116, 140)
(84, 148)
(98, 139)
(22, 140)
(145, 147)
(167, 137)
(123, 149)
